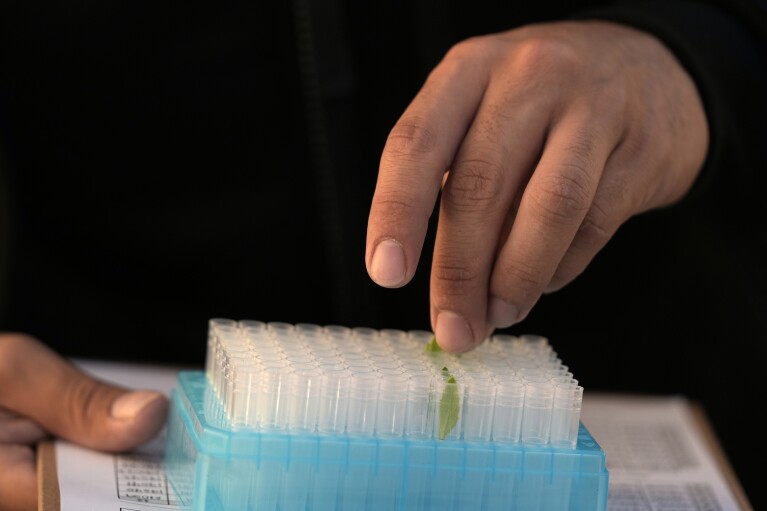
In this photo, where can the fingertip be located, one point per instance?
(138, 417)
(453, 332)
(150, 419)
(129, 405)
(388, 266)
(554, 286)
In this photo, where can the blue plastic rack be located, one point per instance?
(214, 466)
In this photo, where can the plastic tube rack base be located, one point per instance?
(214, 465)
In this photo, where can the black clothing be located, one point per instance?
(166, 163)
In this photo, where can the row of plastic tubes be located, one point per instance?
(376, 340)
(538, 408)
(232, 346)
(385, 365)
(406, 351)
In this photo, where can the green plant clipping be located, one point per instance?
(449, 408)
(433, 347)
(449, 403)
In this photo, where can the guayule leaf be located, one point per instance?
(433, 347)
(449, 407)
(450, 403)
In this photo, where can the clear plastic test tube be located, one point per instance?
(478, 407)
(228, 391)
(420, 407)
(337, 331)
(300, 357)
(271, 399)
(213, 368)
(303, 398)
(279, 328)
(363, 401)
(392, 400)
(213, 326)
(518, 348)
(393, 336)
(365, 334)
(556, 373)
(381, 351)
(534, 375)
(354, 358)
(534, 341)
(386, 363)
(448, 397)
(509, 408)
(250, 326)
(333, 400)
(503, 338)
(247, 379)
(224, 379)
(420, 337)
(566, 414)
(414, 365)
(536, 419)
(309, 330)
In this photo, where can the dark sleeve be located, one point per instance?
(723, 46)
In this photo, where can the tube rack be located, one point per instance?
(313, 418)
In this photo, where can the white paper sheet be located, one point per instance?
(93, 481)
(657, 458)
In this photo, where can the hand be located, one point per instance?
(42, 394)
(553, 135)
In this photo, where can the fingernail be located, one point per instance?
(502, 313)
(387, 267)
(129, 405)
(453, 332)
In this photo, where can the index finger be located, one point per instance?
(418, 151)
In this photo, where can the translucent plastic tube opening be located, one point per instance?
(335, 380)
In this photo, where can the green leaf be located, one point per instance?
(450, 402)
(449, 407)
(433, 347)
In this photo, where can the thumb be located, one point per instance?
(37, 383)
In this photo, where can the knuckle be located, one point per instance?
(473, 185)
(453, 278)
(394, 205)
(539, 54)
(468, 49)
(595, 227)
(81, 398)
(604, 106)
(582, 147)
(411, 136)
(392, 211)
(562, 198)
